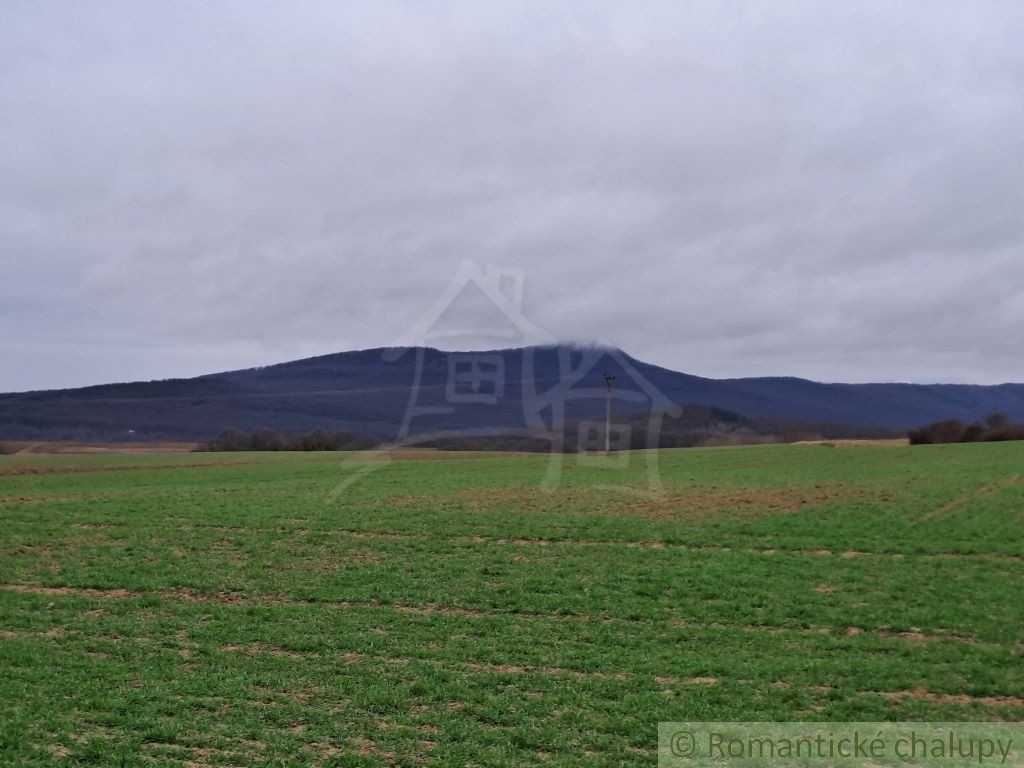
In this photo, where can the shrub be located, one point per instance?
(1006, 432)
(949, 431)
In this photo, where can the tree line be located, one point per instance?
(268, 440)
(713, 425)
(994, 428)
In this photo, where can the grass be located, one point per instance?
(258, 609)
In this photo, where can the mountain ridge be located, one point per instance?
(370, 391)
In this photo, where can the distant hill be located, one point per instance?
(371, 392)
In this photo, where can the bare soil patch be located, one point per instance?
(1015, 702)
(894, 442)
(50, 447)
(38, 470)
(258, 649)
(232, 598)
(698, 504)
(432, 454)
(31, 501)
(36, 589)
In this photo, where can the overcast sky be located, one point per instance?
(830, 190)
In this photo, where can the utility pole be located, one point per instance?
(608, 379)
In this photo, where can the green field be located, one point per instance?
(257, 609)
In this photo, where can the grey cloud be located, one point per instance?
(826, 190)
